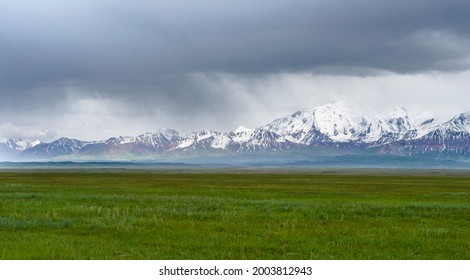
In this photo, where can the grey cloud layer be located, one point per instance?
(73, 40)
(164, 59)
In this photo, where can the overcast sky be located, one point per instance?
(92, 69)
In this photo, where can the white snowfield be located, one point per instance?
(340, 123)
(18, 144)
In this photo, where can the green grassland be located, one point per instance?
(138, 215)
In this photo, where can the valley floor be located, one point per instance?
(139, 214)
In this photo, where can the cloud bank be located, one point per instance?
(92, 69)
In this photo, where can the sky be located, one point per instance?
(93, 69)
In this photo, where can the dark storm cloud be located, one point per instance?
(167, 56)
(51, 41)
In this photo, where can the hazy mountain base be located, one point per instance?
(337, 155)
(261, 159)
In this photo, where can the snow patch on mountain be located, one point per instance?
(241, 134)
(340, 122)
(18, 144)
(458, 124)
(204, 137)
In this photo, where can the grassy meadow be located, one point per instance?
(139, 215)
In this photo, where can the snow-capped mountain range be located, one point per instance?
(335, 127)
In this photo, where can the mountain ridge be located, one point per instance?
(336, 128)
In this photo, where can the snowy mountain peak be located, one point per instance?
(459, 123)
(204, 134)
(463, 118)
(242, 129)
(168, 133)
(18, 144)
(341, 122)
